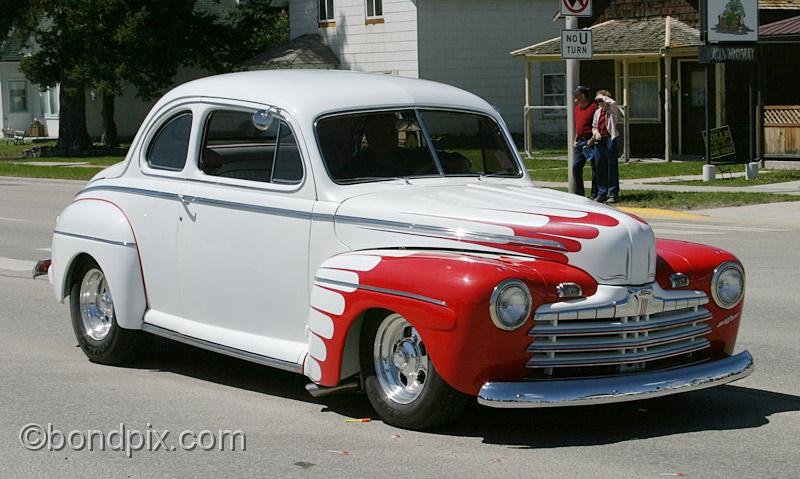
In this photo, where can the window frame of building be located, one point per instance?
(563, 94)
(325, 13)
(25, 99)
(655, 78)
(377, 12)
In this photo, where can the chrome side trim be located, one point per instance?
(367, 223)
(92, 238)
(633, 387)
(219, 348)
(204, 201)
(375, 289)
(446, 232)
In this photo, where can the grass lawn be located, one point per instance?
(678, 200)
(764, 177)
(54, 172)
(15, 151)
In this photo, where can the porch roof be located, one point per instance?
(12, 48)
(779, 4)
(624, 37)
(788, 26)
(305, 51)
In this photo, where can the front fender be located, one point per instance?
(698, 262)
(444, 295)
(99, 228)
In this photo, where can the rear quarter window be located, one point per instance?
(170, 145)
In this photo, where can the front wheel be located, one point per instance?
(94, 319)
(400, 379)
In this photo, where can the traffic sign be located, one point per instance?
(576, 44)
(576, 8)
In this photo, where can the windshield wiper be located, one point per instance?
(499, 175)
(368, 179)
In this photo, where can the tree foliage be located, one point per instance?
(108, 46)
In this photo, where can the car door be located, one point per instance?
(150, 203)
(243, 244)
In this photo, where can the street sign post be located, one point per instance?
(576, 8)
(576, 44)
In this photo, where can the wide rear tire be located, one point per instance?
(94, 319)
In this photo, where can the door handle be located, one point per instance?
(186, 201)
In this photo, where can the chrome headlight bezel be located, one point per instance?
(501, 289)
(718, 273)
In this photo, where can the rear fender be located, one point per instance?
(99, 229)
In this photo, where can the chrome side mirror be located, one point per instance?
(262, 119)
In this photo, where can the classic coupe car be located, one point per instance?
(383, 234)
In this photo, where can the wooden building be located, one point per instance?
(648, 54)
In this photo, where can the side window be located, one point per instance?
(170, 146)
(288, 165)
(234, 148)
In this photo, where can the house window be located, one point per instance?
(17, 96)
(553, 92)
(374, 8)
(643, 91)
(326, 18)
(374, 12)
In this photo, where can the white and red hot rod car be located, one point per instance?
(383, 233)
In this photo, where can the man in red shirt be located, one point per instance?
(584, 151)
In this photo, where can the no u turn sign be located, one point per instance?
(576, 8)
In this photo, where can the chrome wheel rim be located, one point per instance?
(401, 360)
(97, 305)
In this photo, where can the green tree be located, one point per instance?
(110, 45)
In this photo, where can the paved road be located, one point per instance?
(750, 429)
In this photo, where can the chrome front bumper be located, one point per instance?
(579, 392)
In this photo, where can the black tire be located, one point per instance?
(436, 404)
(118, 346)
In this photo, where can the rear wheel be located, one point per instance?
(94, 319)
(400, 379)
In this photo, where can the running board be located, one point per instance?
(222, 349)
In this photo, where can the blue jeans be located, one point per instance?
(608, 167)
(583, 154)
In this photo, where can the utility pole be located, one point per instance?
(573, 73)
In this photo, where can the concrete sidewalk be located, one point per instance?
(789, 188)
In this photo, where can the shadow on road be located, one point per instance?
(721, 408)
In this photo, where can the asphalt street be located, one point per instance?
(750, 429)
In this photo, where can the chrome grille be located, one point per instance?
(623, 328)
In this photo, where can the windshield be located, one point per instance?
(376, 146)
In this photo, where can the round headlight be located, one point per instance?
(510, 304)
(727, 285)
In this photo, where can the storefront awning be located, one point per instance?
(619, 38)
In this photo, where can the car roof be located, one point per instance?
(310, 93)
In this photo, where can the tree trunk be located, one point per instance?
(109, 135)
(72, 133)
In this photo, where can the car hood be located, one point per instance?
(613, 247)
